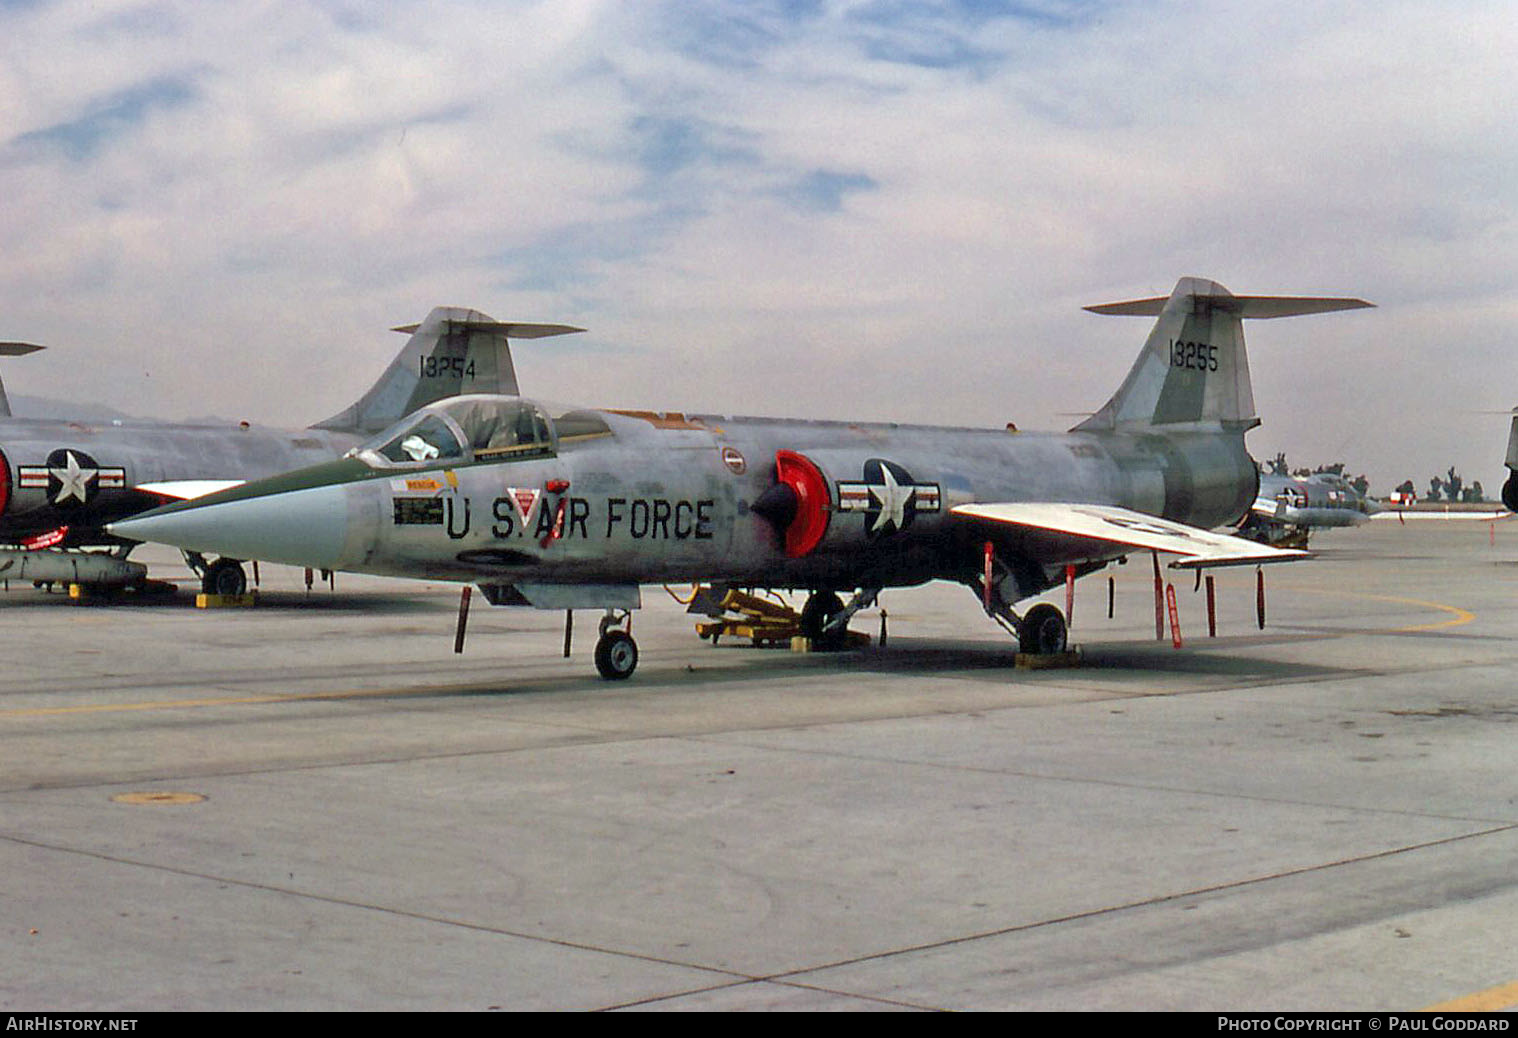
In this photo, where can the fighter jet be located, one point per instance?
(1288, 508)
(63, 482)
(566, 508)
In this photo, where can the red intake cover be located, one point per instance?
(5, 483)
(803, 477)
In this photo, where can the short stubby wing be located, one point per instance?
(1125, 528)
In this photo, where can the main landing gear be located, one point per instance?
(1041, 631)
(825, 618)
(616, 652)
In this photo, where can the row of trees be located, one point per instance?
(1449, 487)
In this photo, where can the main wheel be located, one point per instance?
(224, 577)
(1042, 631)
(821, 607)
(616, 655)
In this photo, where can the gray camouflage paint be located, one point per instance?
(1170, 443)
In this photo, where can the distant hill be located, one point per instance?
(73, 410)
(46, 407)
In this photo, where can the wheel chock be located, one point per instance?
(852, 640)
(205, 601)
(1049, 660)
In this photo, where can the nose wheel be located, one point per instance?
(222, 577)
(616, 652)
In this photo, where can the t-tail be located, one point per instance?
(453, 351)
(1193, 371)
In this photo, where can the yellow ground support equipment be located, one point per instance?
(763, 621)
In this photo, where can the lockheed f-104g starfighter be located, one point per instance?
(573, 508)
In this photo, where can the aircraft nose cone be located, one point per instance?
(299, 528)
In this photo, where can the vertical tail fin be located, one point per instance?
(453, 351)
(1193, 368)
(12, 349)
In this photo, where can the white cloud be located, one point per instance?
(896, 207)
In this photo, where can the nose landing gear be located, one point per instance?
(222, 576)
(616, 652)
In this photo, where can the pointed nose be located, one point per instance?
(298, 528)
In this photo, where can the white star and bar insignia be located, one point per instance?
(888, 497)
(70, 476)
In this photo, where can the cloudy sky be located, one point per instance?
(873, 209)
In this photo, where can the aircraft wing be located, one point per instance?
(185, 489)
(1129, 529)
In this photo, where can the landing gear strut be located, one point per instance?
(825, 619)
(616, 652)
(1042, 631)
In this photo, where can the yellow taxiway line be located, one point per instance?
(1492, 1000)
(1458, 616)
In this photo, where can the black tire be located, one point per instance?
(616, 655)
(224, 577)
(1510, 492)
(1042, 631)
(821, 607)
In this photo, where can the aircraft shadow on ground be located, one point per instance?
(318, 599)
(907, 658)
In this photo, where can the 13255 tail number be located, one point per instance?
(1194, 356)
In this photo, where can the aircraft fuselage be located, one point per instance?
(670, 497)
(82, 475)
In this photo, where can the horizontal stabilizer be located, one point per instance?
(1193, 369)
(1127, 528)
(510, 329)
(1259, 307)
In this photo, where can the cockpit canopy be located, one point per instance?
(480, 428)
